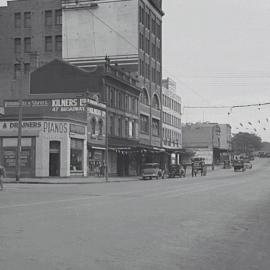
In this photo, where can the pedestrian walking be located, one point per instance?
(2, 175)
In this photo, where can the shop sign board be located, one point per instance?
(43, 126)
(61, 106)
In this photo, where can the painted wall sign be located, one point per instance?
(77, 129)
(55, 127)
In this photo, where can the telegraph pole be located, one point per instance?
(19, 140)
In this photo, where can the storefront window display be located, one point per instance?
(76, 155)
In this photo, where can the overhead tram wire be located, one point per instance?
(136, 47)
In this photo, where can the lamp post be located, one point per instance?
(19, 140)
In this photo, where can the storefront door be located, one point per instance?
(54, 163)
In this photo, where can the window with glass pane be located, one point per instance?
(119, 126)
(155, 127)
(27, 45)
(58, 17)
(48, 17)
(58, 43)
(17, 20)
(48, 44)
(26, 68)
(144, 123)
(17, 71)
(27, 19)
(76, 155)
(17, 45)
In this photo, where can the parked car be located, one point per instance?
(152, 170)
(238, 165)
(247, 163)
(176, 170)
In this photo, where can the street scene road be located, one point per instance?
(220, 221)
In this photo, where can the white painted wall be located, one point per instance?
(88, 32)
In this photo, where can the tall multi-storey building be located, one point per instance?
(171, 119)
(130, 34)
(30, 36)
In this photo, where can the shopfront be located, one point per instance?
(50, 148)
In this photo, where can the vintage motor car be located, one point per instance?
(176, 170)
(152, 170)
(247, 163)
(238, 165)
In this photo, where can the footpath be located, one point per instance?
(87, 179)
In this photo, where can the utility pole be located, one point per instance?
(107, 63)
(19, 140)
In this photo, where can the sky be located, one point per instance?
(217, 51)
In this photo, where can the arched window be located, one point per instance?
(155, 102)
(144, 97)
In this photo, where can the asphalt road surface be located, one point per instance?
(221, 221)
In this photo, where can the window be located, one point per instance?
(144, 97)
(48, 44)
(17, 20)
(58, 17)
(48, 17)
(100, 126)
(111, 125)
(126, 128)
(27, 45)
(127, 103)
(153, 75)
(17, 45)
(155, 127)
(153, 26)
(119, 126)
(133, 129)
(58, 43)
(26, 68)
(112, 97)
(144, 123)
(76, 155)
(120, 100)
(133, 105)
(93, 125)
(147, 18)
(27, 19)
(153, 51)
(155, 102)
(159, 29)
(17, 71)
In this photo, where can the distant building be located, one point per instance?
(204, 139)
(171, 120)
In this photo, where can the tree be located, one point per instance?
(244, 142)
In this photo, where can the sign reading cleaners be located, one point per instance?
(44, 126)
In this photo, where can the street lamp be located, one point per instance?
(19, 140)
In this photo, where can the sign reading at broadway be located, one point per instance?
(60, 106)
